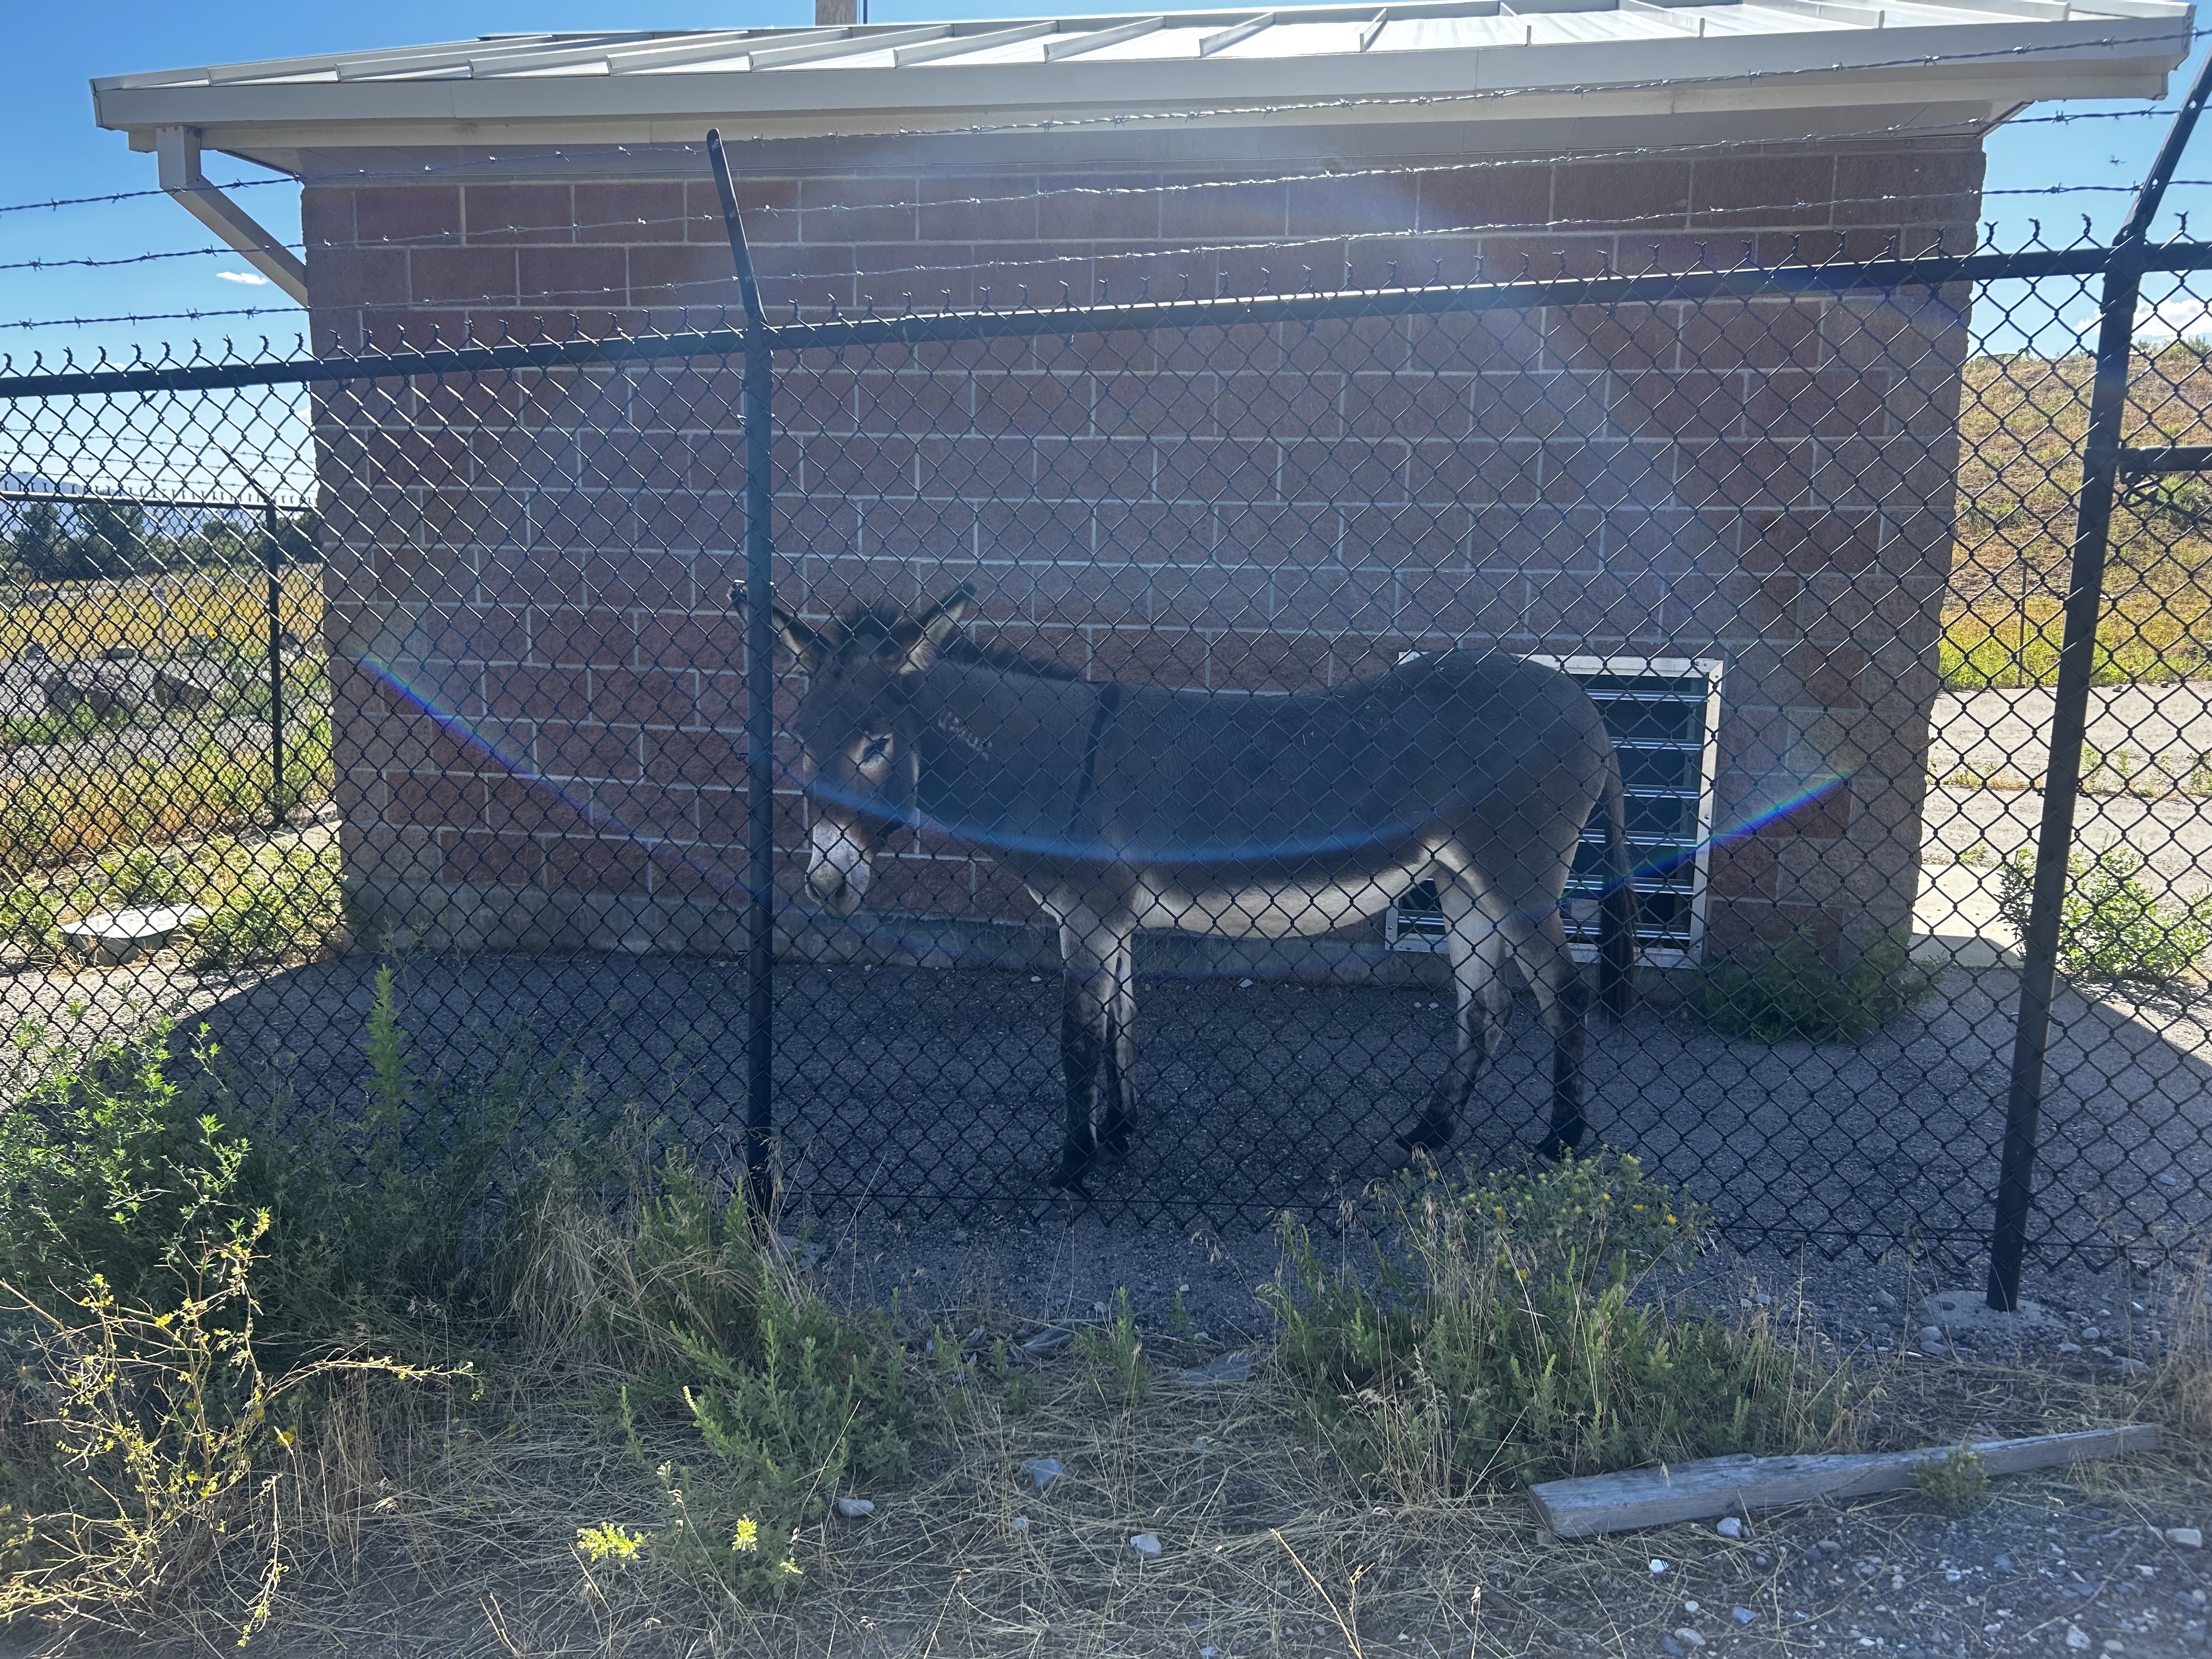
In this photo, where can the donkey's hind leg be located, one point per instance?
(1090, 946)
(1563, 997)
(1121, 1055)
(1479, 949)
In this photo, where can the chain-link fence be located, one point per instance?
(1187, 724)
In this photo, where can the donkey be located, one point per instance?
(1125, 806)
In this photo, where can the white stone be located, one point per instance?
(1044, 1471)
(110, 937)
(2069, 1347)
(1728, 1526)
(853, 1508)
(1228, 1368)
(2075, 1638)
(1020, 1523)
(1688, 1638)
(1657, 1566)
(1745, 1616)
(1146, 1545)
(2189, 1538)
(2090, 1332)
(1885, 1299)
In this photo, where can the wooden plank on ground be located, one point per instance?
(1735, 1485)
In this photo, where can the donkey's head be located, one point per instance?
(857, 733)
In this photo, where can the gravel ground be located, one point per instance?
(937, 1096)
(2011, 729)
(2048, 1567)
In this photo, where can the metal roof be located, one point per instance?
(635, 85)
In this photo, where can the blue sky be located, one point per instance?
(53, 149)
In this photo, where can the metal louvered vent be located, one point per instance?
(1664, 716)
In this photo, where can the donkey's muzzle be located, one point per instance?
(836, 869)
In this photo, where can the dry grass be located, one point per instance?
(423, 1521)
(2022, 424)
(158, 613)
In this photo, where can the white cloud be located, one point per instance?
(251, 278)
(2182, 315)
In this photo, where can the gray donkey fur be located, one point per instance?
(1125, 806)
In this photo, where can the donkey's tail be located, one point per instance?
(1616, 938)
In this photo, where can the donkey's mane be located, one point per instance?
(889, 622)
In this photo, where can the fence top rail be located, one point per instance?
(1524, 293)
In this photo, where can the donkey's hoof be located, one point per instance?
(1070, 1176)
(1557, 1149)
(1114, 1144)
(1422, 1144)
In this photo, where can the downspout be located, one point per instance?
(179, 150)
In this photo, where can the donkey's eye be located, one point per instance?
(874, 751)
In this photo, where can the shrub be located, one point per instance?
(1501, 1342)
(714, 1338)
(393, 1203)
(1954, 1482)
(141, 1238)
(143, 877)
(2110, 926)
(1793, 990)
(285, 904)
(30, 920)
(110, 1167)
(161, 1440)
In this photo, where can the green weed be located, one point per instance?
(1954, 1482)
(281, 904)
(1793, 990)
(2111, 925)
(1501, 1342)
(789, 1402)
(1113, 1357)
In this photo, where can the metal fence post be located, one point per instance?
(2077, 661)
(273, 565)
(760, 710)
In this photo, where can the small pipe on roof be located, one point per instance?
(179, 150)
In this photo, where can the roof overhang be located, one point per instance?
(1569, 64)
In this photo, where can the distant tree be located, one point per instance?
(41, 545)
(300, 540)
(110, 538)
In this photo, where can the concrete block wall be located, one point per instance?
(538, 685)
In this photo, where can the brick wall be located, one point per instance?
(537, 691)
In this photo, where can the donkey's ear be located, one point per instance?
(937, 626)
(803, 642)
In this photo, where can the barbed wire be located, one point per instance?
(1632, 225)
(618, 299)
(1144, 117)
(1414, 170)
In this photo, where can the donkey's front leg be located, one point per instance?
(1088, 995)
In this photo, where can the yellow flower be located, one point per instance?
(608, 1542)
(790, 1569)
(748, 1536)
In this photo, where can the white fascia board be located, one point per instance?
(1565, 79)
